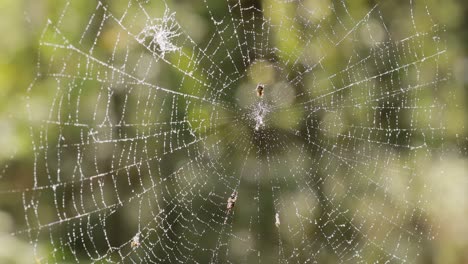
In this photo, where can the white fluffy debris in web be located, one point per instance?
(159, 33)
(277, 220)
(258, 114)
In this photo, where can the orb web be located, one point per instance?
(148, 124)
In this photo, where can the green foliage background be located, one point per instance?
(446, 169)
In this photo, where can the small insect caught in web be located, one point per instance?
(135, 241)
(259, 89)
(231, 202)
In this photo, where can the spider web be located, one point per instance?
(152, 124)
